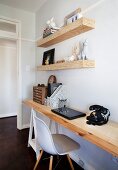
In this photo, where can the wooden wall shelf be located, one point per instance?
(68, 65)
(73, 29)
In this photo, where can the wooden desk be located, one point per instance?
(105, 136)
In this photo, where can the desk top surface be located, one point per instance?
(105, 136)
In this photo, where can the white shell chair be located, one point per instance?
(54, 144)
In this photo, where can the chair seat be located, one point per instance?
(64, 144)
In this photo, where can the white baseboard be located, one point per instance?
(25, 126)
(8, 115)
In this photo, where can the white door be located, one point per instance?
(11, 30)
(8, 78)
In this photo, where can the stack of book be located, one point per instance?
(49, 31)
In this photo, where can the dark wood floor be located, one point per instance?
(14, 153)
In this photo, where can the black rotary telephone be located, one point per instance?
(99, 115)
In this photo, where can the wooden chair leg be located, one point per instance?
(38, 160)
(51, 161)
(70, 162)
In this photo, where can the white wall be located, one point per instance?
(87, 86)
(8, 83)
(27, 50)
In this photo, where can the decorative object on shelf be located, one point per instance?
(78, 51)
(75, 15)
(75, 54)
(71, 58)
(60, 61)
(62, 103)
(59, 94)
(52, 79)
(84, 53)
(51, 24)
(39, 93)
(41, 85)
(48, 31)
(48, 57)
(51, 28)
(52, 87)
(99, 115)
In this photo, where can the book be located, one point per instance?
(48, 31)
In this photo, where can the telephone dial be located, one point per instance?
(99, 115)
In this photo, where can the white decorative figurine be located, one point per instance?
(78, 51)
(73, 57)
(51, 23)
(84, 53)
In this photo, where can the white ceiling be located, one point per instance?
(34, 5)
(28, 5)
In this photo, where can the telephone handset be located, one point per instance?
(99, 115)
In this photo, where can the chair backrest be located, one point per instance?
(43, 136)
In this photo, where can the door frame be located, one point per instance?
(17, 37)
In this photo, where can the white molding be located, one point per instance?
(8, 34)
(29, 40)
(5, 46)
(8, 115)
(38, 38)
(9, 19)
(19, 79)
(25, 126)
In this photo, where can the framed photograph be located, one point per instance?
(72, 16)
(48, 57)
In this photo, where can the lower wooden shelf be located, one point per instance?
(68, 65)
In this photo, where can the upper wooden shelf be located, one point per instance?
(73, 29)
(68, 65)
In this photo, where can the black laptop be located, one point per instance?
(68, 113)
